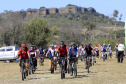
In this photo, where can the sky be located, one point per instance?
(105, 7)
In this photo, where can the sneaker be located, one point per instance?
(36, 67)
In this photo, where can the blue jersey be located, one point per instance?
(73, 52)
(41, 51)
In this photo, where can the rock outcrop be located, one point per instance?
(68, 9)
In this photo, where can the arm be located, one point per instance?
(47, 53)
(17, 55)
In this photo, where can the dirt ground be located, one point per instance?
(108, 72)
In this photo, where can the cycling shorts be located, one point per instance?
(25, 60)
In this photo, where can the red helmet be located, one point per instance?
(23, 45)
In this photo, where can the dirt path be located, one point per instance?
(108, 72)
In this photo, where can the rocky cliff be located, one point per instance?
(69, 8)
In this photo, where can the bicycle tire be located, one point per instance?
(88, 66)
(22, 72)
(61, 72)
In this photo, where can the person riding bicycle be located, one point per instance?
(110, 49)
(81, 48)
(89, 52)
(37, 50)
(33, 56)
(42, 53)
(103, 50)
(52, 52)
(24, 54)
(72, 55)
(116, 49)
(97, 50)
(63, 51)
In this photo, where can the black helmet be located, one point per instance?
(61, 42)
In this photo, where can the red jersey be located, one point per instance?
(23, 53)
(62, 50)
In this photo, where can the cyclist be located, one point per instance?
(63, 51)
(121, 52)
(72, 53)
(33, 56)
(116, 49)
(97, 50)
(37, 50)
(52, 52)
(110, 50)
(24, 54)
(104, 49)
(42, 53)
(89, 52)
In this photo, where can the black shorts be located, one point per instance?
(25, 60)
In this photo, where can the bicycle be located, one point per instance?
(62, 67)
(93, 59)
(30, 66)
(104, 56)
(23, 69)
(33, 65)
(73, 66)
(88, 63)
(41, 61)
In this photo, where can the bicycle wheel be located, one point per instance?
(40, 62)
(22, 69)
(55, 65)
(29, 69)
(88, 65)
(61, 72)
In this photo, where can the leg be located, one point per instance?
(122, 54)
(118, 57)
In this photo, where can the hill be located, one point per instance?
(77, 24)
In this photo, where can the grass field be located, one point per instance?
(108, 72)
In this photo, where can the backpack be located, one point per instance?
(64, 46)
(25, 51)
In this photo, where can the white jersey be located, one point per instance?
(121, 47)
(52, 51)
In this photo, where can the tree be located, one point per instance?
(115, 15)
(120, 17)
(11, 23)
(37, 32)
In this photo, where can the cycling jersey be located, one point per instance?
(32, 53)
(110, 48)
(96, 48)
(73, 52)
(62, 50)
(23, 53)
(52, 52)
(116, 47)
(104, 49)
(88, 51)
(41, 51)
(121, 47)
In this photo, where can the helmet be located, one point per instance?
(61, 42)
(23, 45)
(51, 45)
